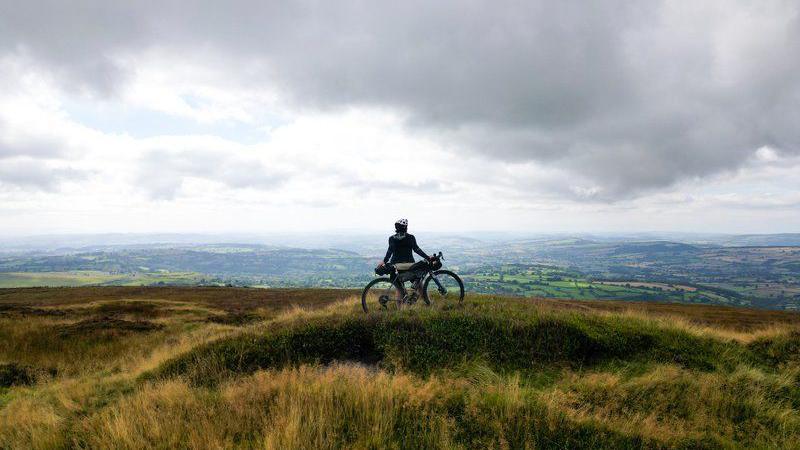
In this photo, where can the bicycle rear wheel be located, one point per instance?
(450, 288)
(381, 294)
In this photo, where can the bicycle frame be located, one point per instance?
(428, 273)
(420, 278)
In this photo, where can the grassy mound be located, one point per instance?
(427, 342)
(489, 377)
(250, 371)
(778, 349)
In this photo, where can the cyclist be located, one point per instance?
(401, 244)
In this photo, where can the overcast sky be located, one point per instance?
(257, 116)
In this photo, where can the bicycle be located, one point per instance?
(428, 281)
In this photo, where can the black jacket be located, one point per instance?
(400, 247)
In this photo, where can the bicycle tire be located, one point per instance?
(458, 280)
(365, 292)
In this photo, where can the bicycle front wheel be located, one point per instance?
(443, 286)
(381, 294)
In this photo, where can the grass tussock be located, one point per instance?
(80, 347)
(14, 374)
(429, 341)
(344, 406)
(154, 368)
(745, 406)
(353, 406)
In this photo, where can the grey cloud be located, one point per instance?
(78, 41)
(37, 175)
(161, 173)
(26, 145)
(609, 91)
(366, 186)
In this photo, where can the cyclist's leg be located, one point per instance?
(399, 283)
(416, 285)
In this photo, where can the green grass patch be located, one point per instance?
(430, 341)
(95, 278)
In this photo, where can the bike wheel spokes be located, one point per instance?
(448, 289)
(381, 295)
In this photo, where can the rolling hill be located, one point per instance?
(718, 273)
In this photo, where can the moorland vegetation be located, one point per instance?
(119, 367)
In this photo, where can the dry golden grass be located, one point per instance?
(306, 407)
(673, 403)
(701, 328)
(245, 299)
(321, 407)
(97, 367)
(29, 422)
(95, 399)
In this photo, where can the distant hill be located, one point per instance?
(659, 248)
(763, 240)
(765, 276)
(216, 259)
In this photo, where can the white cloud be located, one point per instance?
(161, 173)
(26, 173)
(561, 117)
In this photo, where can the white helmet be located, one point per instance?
(402, 222)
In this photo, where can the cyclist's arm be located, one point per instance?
(389, 251)
(419, 251)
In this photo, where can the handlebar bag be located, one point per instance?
(385, 269)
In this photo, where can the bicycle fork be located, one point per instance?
(440, 287)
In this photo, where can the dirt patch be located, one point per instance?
(107, 325)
